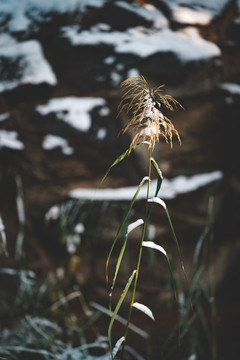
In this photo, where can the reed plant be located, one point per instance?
(145, 105)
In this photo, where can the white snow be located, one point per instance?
(22, 13)
(52, 141)
(101, 133)
(109, 60)
(72, 242)
(6, 39)
(169, 189)
(196, 12)
(53, 213)
(79, 228)
(232, 88)
(152, 245)
(73, 110)
(116, 78)
(133, 73)
(32, 67)
(139, 41)
(189, 16)
(8, 139)
(104, 111)
(4, 116)
(134, 225)
(144, 309)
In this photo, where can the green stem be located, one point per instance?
(146, 218)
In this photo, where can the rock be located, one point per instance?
(24, 69)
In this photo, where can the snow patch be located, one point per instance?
(6, 39)
(23, 13)
(4, 117)
(133, 73)
(73, 110)
(8, 139)
(169, 189)
(196, 12)
(51, 142)
(143, 43)
(109, 60)
(27, 62)
(101, 134)
(190, 16)
(232, 88)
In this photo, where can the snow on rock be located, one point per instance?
(6, 39)
(196, 12)
(133, 73)
(8, 139)
(20, 15)
(4, 117)
(23, 63)
(232, 88)
(143, 43)
(169, 189)
(51, 142)
(74, 111)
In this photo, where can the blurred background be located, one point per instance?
(61, 66)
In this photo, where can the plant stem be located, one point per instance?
(146, 218)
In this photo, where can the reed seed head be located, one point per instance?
(144, 105)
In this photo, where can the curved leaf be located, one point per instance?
(162, 203)
(160, 177)
(152, 245)
(117, 346)
(144, 309)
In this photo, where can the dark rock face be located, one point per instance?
(60, 56)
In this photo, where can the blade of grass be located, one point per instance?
(131, 227)
(152, 245)
(117, 309)
(160, 177)
(124, 221)
(162, 203)
(117, 161)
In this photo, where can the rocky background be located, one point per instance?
(61, 66)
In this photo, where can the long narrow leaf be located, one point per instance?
(160, 177)
(162, 203)
(117, 161)
(118, 307)
(152, 245)
(130, 228)
(124, 221)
